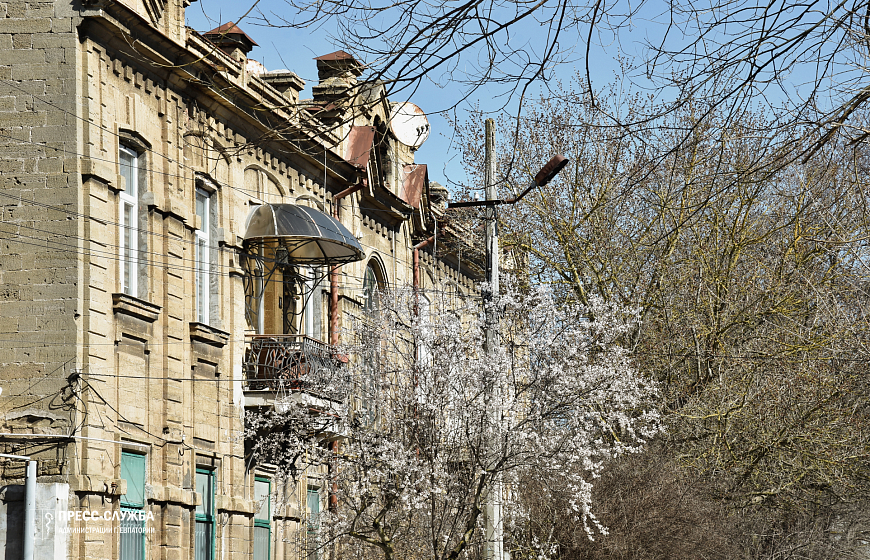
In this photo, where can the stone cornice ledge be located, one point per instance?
(135, 307)
(209, 335)
(234, 505)
(172, 495)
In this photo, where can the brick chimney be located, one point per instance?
(232, 40)
(337, 73)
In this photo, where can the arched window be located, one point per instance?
(262, 185)
(373, 284)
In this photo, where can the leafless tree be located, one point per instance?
(803, 64)
(752, 282)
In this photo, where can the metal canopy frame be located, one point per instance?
(308, 236)
(291, 239)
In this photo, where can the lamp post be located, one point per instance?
(493, 522)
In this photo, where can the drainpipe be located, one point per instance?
(333, 489)
(333, 328)
(417, 248)
(333, 274)
(29, 504)
(30, 510)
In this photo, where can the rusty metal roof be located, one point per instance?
(337, 55)
(416, 178)
(359, 145)
(230, 29)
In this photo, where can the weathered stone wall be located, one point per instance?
(139, 371)
(40, 236)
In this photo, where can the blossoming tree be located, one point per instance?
(437, 421)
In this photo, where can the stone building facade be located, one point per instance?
(133, 151)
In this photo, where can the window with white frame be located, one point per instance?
(313, 304)
(203, 260)
(129, 214)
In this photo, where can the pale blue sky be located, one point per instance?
(294, 50)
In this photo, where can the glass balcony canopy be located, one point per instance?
(309, 236)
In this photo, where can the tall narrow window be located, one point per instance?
(372, 286)
(424, 351)
(371, 291)
(259, 289)
(313, 523)
(311, 313)
(262, 518)
(132, 507)
(129, 211)
(203, 212)
(205, 515)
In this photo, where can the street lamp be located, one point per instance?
(544, 176)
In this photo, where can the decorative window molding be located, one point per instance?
(134, 140)
(262, 185)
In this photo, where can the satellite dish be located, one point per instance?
(409, 124)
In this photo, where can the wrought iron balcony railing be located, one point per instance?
(282, 362)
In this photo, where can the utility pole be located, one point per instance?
(492, 509)
(491, 239)
(493, 524)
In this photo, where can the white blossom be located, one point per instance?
(439, 419)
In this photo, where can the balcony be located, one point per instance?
(280, 362)
(286, 370)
